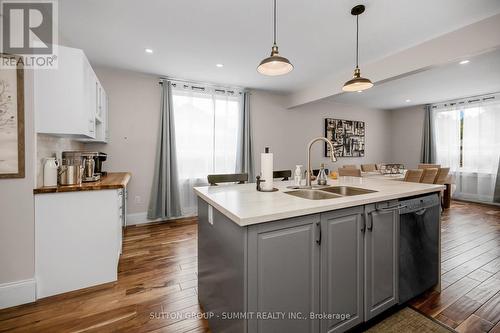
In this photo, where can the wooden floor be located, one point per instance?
(157, 277)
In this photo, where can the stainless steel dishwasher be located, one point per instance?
(418, 245)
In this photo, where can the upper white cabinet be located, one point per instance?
(101, 115)
(70, 100)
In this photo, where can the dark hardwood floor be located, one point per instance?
(158, 272)
(157, 276)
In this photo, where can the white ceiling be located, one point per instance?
(447, 82)
(190, 37)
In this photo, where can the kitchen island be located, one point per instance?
(276, 262)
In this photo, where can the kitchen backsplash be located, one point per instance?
(49, 146)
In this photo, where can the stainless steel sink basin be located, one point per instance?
(330, 192)
(313, 194)
(346, 191)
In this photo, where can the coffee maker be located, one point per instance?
(92, 166)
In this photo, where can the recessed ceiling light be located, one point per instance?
(408, 101)
(219, 65)
(360, 90)
(463, 62)
(148, 51)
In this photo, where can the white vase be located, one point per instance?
(50, 172)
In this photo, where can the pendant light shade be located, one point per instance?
(275, 64)
(357, 83)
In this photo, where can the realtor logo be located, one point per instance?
(29, 30)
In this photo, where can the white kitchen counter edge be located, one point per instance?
(327, 205)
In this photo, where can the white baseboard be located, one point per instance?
(142, 218)
(17, 293)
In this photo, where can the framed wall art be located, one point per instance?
(11, 121)
(347, 136)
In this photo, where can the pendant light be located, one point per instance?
(275, 64)
(357, 83)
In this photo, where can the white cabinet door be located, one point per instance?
(90, 98)
(102, 126)
(121, 217)
(60, 96)
(76, 240)
(106, 117)
(69, 100)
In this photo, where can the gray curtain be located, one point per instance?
(244, 162)
(496, 194)
(164, 202)
(428, 148)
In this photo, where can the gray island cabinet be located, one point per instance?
(324, 272)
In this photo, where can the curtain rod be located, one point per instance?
(467, 100)
(206, 84)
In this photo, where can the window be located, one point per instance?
(206, 131)
(467, 140)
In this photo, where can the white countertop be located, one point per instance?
(245, 205)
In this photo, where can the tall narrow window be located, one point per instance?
(206, 130)
(468, 141)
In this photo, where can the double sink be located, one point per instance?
(328, 192)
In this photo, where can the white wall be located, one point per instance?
(17, 219)
(134, 104)
(406, 135)
(288, 131)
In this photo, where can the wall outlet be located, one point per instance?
(138, 199)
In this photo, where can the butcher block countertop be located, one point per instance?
(112, 180)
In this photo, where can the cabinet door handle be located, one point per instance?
(368, 221)
(386, 209)
(420, 212)
(318, 237)
(363, 225)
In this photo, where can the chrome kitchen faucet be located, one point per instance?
(309, 170)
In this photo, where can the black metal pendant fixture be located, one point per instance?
(357, 83)
(275, 64)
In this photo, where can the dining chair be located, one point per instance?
(368, 167)
(349, 166)
(285, 174)
(316, 172)
(414, 175)
(441, 176)
(429, 166)
(239, 178)
(429, 175)
(349, 172)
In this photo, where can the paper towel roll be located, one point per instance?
(266, 170)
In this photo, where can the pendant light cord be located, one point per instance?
(357, 39)
(274, 36)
